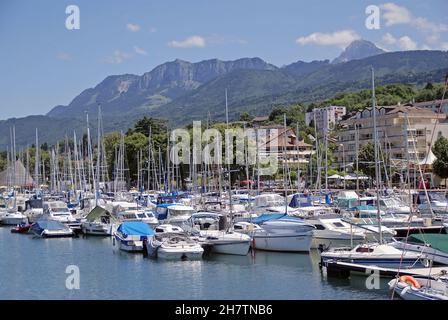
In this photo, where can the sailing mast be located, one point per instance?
(228, 164)
(284, 164)
(377, 178)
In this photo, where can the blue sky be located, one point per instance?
(43, 64)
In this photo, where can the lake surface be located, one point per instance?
(34, 268)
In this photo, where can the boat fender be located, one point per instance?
(411, 281)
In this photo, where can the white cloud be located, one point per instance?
(403, 43)
(118, 57)
(133, 27)
(389, 39)
(140, 51)
(339, 38)
(394, 14)
(445, 46)
(425, 25)
(406, 43)
(64, 56)
(190, 42)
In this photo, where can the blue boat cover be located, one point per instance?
(51, 225)
(297, 201)
(165, 205)
(136, 228)
(268, 216)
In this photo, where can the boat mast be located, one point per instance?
(36, 162)
(377, 178)
(284, 164)
(228, 164)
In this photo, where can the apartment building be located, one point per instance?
(402, 130)
(325, 118)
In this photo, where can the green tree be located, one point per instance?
(245, 116)
(366, 159)
(440, 150)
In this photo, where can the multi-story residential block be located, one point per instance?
(405, 132)
(325, 118)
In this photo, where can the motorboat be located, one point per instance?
(280, 232)
(168, 228)
(13, 217)
(58, 211)
(34, 209)
(378, 255)
(99, 222)
(419, 288)
(270, 202)
(332, 231)
(131, 211)
(132, 236)
(212, 230)
(434, 246)
(246, 227)
(174, 213)
(174, 246)
(438, 202)
(51, 229)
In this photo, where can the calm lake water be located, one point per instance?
(34, 268)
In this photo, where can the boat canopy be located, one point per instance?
(437, 241)
(268, 216)
(51, 225)
(98, 212)
(136, 228)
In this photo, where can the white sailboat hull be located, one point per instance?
(329, 240)
(240, 248)
(99, 229)
(280, 242)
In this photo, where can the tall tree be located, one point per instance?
(366, 159)
(440, 150)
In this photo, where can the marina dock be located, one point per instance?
(343, 270)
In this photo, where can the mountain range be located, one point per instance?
(181, 91)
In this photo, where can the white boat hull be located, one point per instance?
(283, 243)
(240, 248)
(98, 229)
(328, 242)
(186, 254)
(12, 221)
(137, 246)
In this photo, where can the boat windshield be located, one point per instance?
(437, 196)
(273, 200)
(180, 212)
(60, 211)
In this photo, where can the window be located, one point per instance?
(338, 225)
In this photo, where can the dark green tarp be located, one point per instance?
(98, 212)
(437, 241)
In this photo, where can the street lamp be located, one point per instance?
(343, 161)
